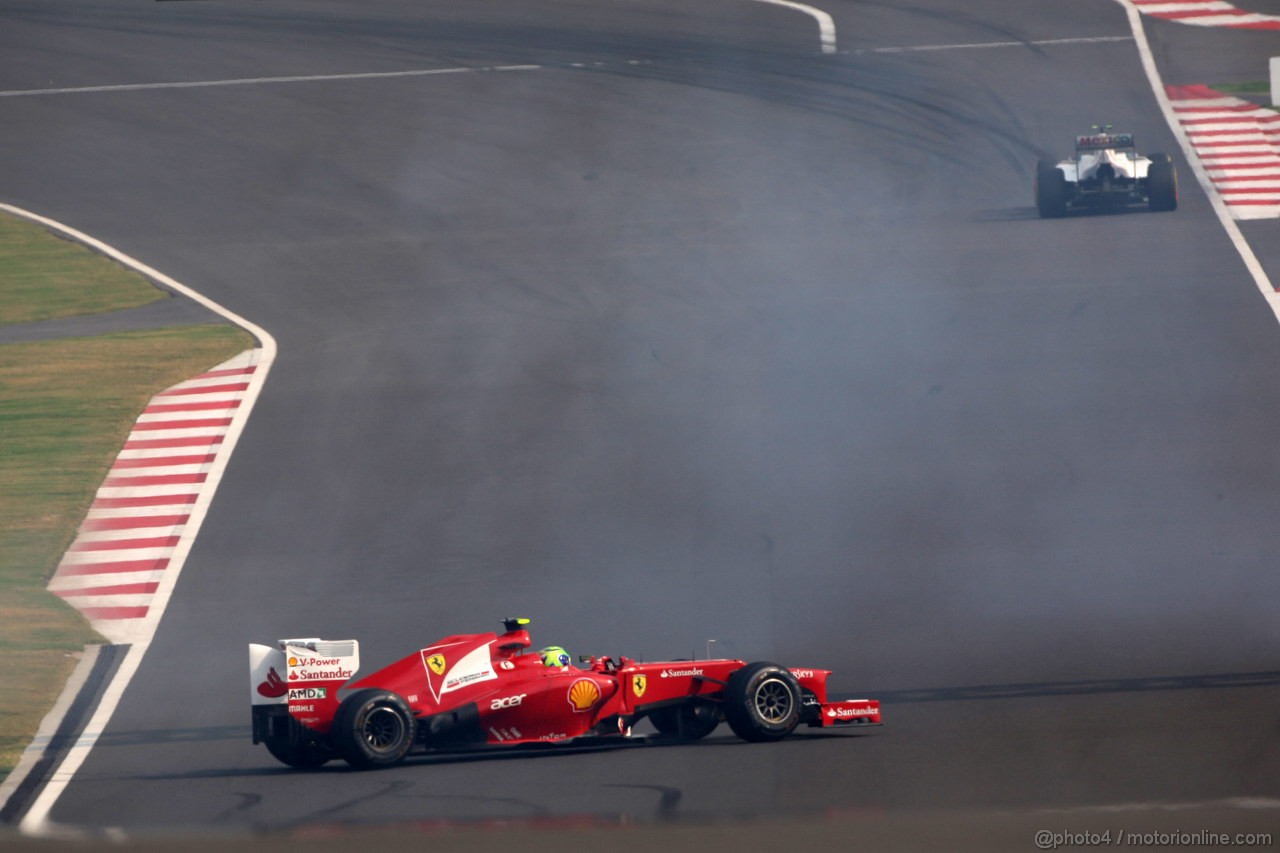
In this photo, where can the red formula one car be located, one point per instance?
(482, 690)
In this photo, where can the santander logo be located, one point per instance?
(274, 687)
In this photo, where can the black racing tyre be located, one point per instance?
(304, 755)
(373, 728)
(692, 720)
(1051, 190)
(1162, 184)
(762, 702)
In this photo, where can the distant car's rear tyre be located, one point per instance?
(762, 702)
(373, 728)
(1051, 190)
(692, 720)
(304, 755)
(1162, 184)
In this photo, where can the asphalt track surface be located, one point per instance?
(689, 333)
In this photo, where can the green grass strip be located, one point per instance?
(1253, 87)
(43, 277)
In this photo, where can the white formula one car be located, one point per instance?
(1106, 171)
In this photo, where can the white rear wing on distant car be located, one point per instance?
(300, 669)
(1103, 141)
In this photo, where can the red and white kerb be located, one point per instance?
(119, 557)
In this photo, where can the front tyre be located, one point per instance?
(762, 702)
(373, 728)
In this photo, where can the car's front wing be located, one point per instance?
(851, 712)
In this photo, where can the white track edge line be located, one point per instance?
(250, 81)
(826, 24)
(49, 725)
(36, 820)
(1228, 223)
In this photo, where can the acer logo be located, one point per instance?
(508, 702)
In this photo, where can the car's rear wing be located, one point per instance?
(301, 670)
(1103, 141)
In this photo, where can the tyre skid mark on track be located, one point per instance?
(247, 801)
(327, 814)
(989, 45)
(1041, 689)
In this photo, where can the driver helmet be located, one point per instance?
(554, 656)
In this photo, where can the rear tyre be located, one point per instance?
(1051, 190)
(373, 728)
(304, 755)
(1162, 184)
(762, 702)
(692, 720)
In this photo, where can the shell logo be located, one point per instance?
(293, 661)
(583, 693)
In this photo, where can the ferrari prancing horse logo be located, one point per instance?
(638, 684)
(437, 664)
